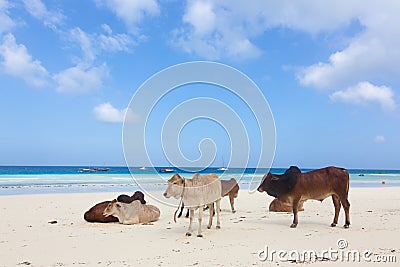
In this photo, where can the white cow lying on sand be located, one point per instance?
(132, 213)
(195, 193)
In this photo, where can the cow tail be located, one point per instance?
(348, 182)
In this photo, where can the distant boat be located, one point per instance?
(223, 168)
(361, 174)
(93, 169)
(100, 170)
(166, 170)
(142, 168)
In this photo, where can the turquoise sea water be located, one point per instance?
(67, 179)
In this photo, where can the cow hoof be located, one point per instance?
(218, 227)
(199, 235)
(188, 234)
(346, 226)
(333, 224)
(209, 227)
(233, 211)
(293, 225)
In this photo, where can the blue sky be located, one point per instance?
(329, 71)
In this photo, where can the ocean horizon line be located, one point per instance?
(196, 167)
(59, 179)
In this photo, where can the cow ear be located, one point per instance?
(118, 205)
(274, 178)
(177, 176)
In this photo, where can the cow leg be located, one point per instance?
(295, 206)
(189, 232)
(336, 203)
(207, 207)
(200, 219)
(301, 206)
(232, 200)
(346, 207)
(218, 204)
(187, 213)
(211, 209)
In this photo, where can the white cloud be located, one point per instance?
(39, 11)
(86, 75)
(131, 12)
(106, 28)
(307, 15)
(114, 42)
(85, 42)
(216, 30)
(368, 57)
(81, 78)
(228, 29)
(371, 55)
(6, 23)
(379, 139)
(93, 44)
(107, 113)
(201, 15)
(16, 61)
(364, 93)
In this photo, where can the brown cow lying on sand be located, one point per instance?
(278, 206)
(132, 213)
(292, 187)
(95, 214)
(228, 188)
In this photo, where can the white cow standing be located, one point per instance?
(195, 193)
(132, 213)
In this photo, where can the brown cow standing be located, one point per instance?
(95, 213)
(293, 187)
(230, 188)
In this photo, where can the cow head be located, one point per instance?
(139, 196)
(277, 185)
(112, 208)
(265, 182)
(175, 187)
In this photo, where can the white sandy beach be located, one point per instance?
(27, 237)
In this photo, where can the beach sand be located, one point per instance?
(27, 237)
